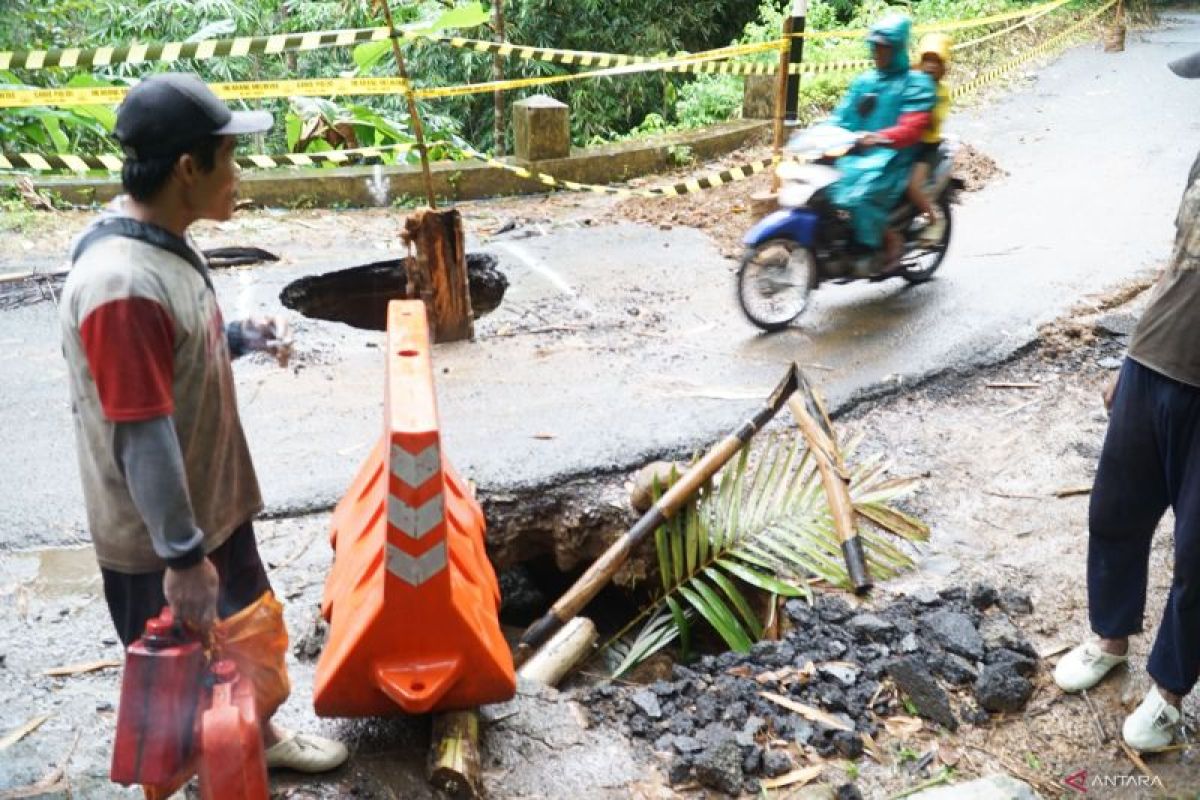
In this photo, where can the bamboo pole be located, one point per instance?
(822, 444)
(600, 573)
(454, 764)
(559, 656)
(414, 116)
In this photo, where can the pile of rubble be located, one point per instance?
(727, 720)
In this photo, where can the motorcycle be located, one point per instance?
(807, 242)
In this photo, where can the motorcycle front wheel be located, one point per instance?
(773, 282)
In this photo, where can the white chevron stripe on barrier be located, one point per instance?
(416, 570)
(415, 470)
(416, 522)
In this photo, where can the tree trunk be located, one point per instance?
(437, 272)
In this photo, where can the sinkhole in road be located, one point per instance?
(359, 296)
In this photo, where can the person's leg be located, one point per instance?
(243, 577)
(1128, 499)
(1175, 658)
(132, 599)
(916, 190)
(243, 581)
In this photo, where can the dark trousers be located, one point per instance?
(133, 599)
(1150, 461)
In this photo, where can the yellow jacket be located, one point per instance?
(941, 109)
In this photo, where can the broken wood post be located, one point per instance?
(560, 655)
(437, 272)
(600, 573)
(822, 444)
(454, 766)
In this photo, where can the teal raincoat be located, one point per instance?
(872, 182)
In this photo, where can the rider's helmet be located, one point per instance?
(938, 44)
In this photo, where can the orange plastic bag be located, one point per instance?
(256, 640)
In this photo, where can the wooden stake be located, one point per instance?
(454, 766)
(437, 272)
(418, 129)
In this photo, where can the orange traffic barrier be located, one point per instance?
(412, 600)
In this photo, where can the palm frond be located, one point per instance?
(767, 525)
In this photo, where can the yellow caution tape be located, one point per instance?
(328, 87)
(244, 90)
(691, 186)
(78, 58)
(937, 27)
(46, 162)
(698, 62)
(997, 73)
(1048, 8)
(167, 52)
(628, 69)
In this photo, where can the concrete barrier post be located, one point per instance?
(541, 129)
(758, 97)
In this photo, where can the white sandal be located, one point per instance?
(1152, 725)
(1084, 667)
(304, 752)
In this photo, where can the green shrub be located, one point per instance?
(709, 99)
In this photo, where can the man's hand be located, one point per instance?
(1110, 391)
(268, 335)
(869, 139)
(192, 594)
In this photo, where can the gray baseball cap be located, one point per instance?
(1186, 67)
(166, 113)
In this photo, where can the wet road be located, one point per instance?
(621, 343)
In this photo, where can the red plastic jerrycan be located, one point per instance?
(160, 692)
(232, 765)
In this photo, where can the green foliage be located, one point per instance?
(601, 110)
(709, 99)
(766, 529)
(681, 155)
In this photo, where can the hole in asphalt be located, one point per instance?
(359, 296)
(528, 590)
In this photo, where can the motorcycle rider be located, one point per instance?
(934, 50)
(891, 106)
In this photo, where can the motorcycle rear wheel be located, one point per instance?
(773, 282)
(919, 265)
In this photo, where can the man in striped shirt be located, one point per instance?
(168, 481)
